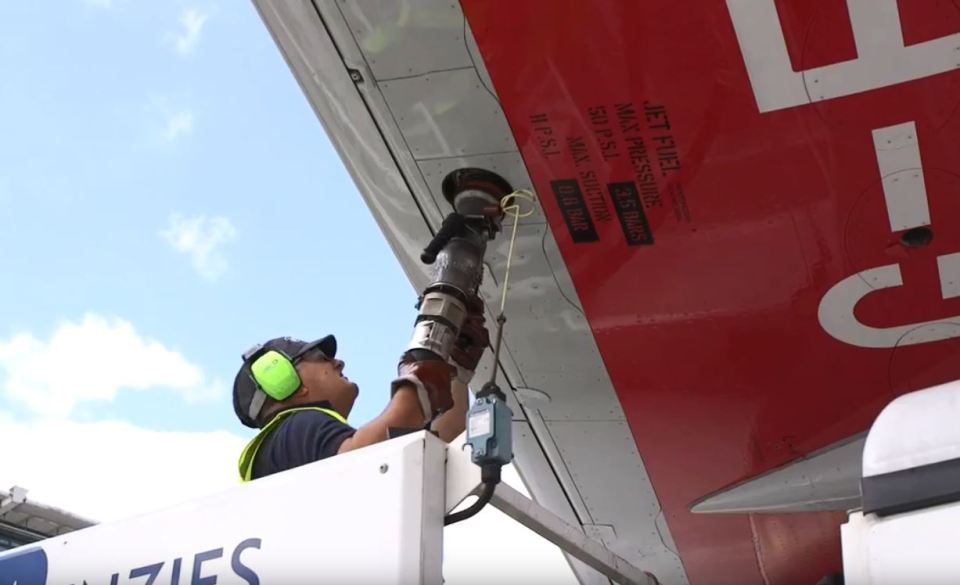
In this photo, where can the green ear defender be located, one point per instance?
(276, 375)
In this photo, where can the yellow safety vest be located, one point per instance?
(249, 453)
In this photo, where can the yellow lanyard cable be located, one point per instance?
(517, 216)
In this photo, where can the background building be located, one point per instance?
(23, 521)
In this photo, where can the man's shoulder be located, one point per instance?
(308, 419)
(310, 413)
(301, 437)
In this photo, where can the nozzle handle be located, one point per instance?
(452, 226)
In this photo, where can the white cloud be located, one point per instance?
(93, 360)
(178, 124)
(112, 470)
(192, 21)
(175, 121)
(201, 239)
(99, 3)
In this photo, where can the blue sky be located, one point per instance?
(123, 121)
(167, 199)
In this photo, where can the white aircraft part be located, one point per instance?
(369, 516)
(915, 547)
(948, 266)
(915, 429)
(913, 540)
(826, 480)
(898, 157)
(882, 59)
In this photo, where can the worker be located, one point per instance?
(295, 392)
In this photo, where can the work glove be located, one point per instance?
(431, 378)
(469, 346)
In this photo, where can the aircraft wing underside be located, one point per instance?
(741, 250)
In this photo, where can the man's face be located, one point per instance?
(323, 379)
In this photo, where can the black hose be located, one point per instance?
(482, 501)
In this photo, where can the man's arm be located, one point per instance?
(421, 388)
(403, 411)
(450, 424)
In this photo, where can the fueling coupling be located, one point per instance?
(456, 252)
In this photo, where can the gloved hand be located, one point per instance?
(431, 378)
(469, 346)
(471, 342)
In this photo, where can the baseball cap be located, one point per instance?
(245, 389)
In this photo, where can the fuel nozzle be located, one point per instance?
(456, 252)
(475, 196)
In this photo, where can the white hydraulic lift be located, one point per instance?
(387, 503)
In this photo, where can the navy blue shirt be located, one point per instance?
(303, 437)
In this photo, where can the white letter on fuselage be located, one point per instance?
(882, 59)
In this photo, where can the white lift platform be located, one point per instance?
(909, 523)
(381, 509)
